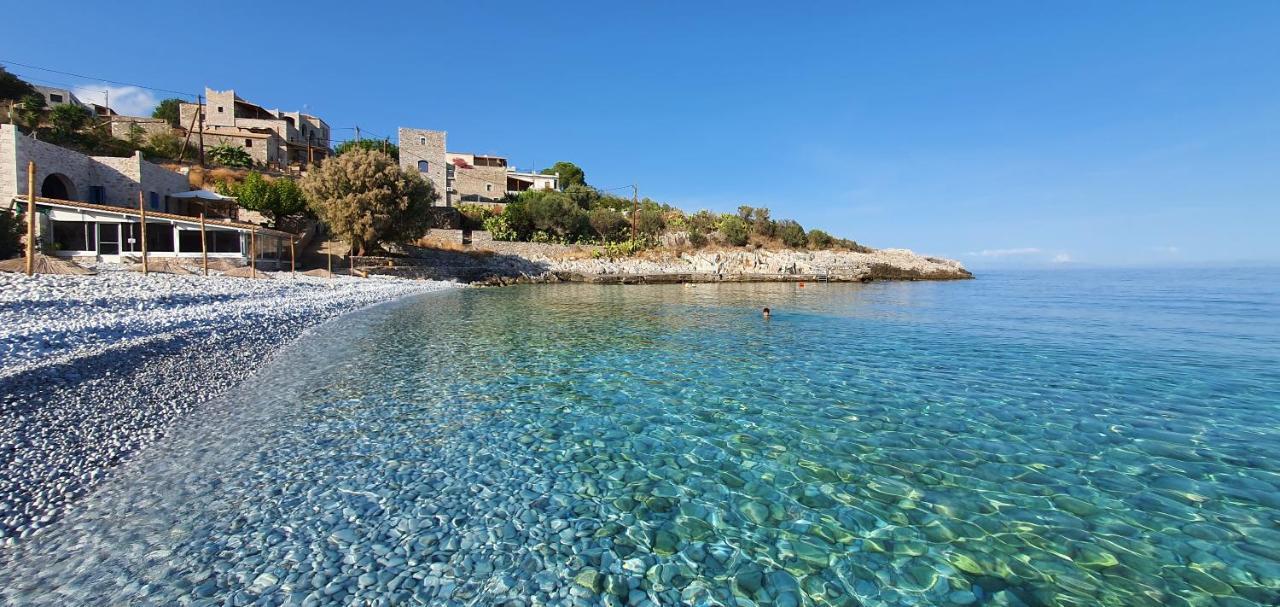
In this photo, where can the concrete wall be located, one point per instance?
(421, 144)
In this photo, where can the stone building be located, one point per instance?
(271, 137)
(87, 206)
(463, 178)
(423, 151)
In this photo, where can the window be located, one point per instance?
(423, 166)
(55, 98)
(130, 238)
(159, 238)
(219, 109)
(223, 241)
(422, 141)
(488, 187)
(154, 201)
(189, 241)
(74, 235)
(248, 143)
(97, 194)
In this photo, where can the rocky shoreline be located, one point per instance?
(516, 263)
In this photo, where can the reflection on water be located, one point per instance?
(1072, 439)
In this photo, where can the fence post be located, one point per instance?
(31, 217)
(142, 210)
(253, 253)
(293, 262)
(204, 249)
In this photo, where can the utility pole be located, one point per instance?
(200, 112)
(635, 209)
(357, 134)
(31, 217)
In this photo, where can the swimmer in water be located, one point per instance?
(766, 313)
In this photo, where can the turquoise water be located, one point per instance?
(1066, 438)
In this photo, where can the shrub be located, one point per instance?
(230, 155)
(703, 221)
(607, 223)
(10, 234)
(474, 215)
(625, 248)
(820, 240)
(67, 119)
(734, 229)
(555, 213)
(371, 145)
(761, 224)
(274, 198)
(792, 234)
(849, 245)
(497, 227)
(697, 239)
(364, 198)
(164, 145)
(650, 222)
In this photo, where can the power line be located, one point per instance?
(95, 78)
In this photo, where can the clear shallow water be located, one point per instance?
(1071, 438)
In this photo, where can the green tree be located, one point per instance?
(557, 214)
(570, 174)
(14, 88)
(761, 224)
(745, 213)
(607, 223)
(67, 119)
(27, 111)
(820, 240)
(230, 155)
(792, 234)
(372, 145)
(366, 199)
(734, 229)
(168, 110)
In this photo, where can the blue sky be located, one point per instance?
(1000, 133)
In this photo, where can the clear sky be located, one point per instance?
(1094, 132)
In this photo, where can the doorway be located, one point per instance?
(108, 239)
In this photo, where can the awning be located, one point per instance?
(202, 195)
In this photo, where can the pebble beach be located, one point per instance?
(95, 368)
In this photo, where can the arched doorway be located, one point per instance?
(57, 185)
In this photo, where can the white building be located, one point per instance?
(88, 207)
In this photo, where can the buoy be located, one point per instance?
(802, 285)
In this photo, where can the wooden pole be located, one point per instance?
(330, 254)
(200, 113)
(253, 254)
(142, 210)
(204, 248)
(635, 208)
(293, 262)
(183, 153)
(31, 217)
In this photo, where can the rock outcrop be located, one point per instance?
(530, 264)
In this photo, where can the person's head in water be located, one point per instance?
(766, 313)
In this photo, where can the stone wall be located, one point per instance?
(479, 184)
(120, 178)
(122, 126)
(423, 145)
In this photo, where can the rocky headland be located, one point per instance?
(499, 263)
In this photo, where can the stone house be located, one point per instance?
(88, 206)
(271, 137)
(460, 177)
